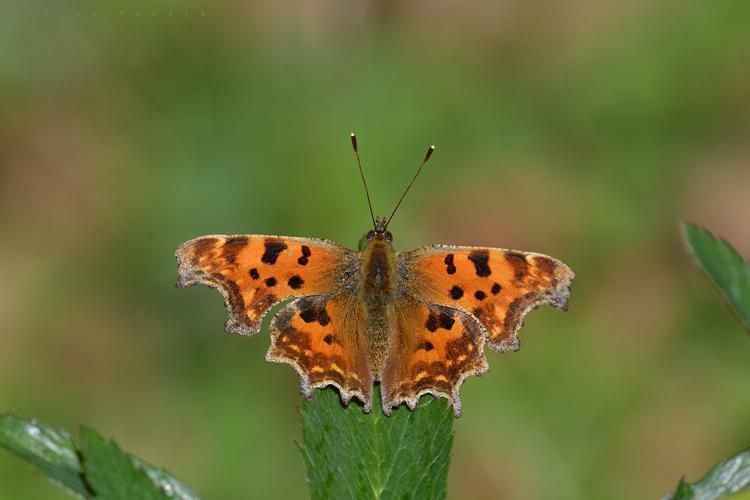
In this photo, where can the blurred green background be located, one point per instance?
(584, 130)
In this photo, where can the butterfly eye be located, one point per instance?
(388, 236)
(370, 235)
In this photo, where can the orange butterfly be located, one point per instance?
(416, 322)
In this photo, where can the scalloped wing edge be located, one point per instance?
(307, 388)
(557, 297)
(188, 275)
(453, 397)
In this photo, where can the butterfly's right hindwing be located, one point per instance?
(321, 338)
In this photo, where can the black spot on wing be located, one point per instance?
(481, 258)
(254, 274)
(273, 249)
(426, 345)
(328, 339)
(271, 281)
(323, 317)
(303, 259)
(439, 319)
(315, 313)
(496, 289)
(295, 282)
(456, 292)
(308, 315)
(446, 320)
(450, 267)
(480, 295)
(432, 323)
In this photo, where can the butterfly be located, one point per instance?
(415, 322)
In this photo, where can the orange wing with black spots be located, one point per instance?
(254, 272)
(433, 349)
(321, 337)
(497, 286)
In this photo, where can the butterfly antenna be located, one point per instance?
(362, 173)
(426, 157)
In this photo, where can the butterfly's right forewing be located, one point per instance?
(254, 272)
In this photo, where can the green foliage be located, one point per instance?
(351, 454)
(725, 266)
(97, 469)
(731, 274)
(53, 453)
(111, 473)
(728, 477)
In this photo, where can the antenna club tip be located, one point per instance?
(432, 147)
(354, 141)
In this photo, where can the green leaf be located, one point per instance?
(52, 452)
(727, 478)
(106, 470)
(352, 454)
(683, 491)
(725, 266)
(166, 481)
(112, 474)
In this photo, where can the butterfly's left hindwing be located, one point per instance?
(432, 350)
(254, 272)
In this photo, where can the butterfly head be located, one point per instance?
(380, 232)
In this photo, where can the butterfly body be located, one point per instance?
(416, 322)
(377, 292)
